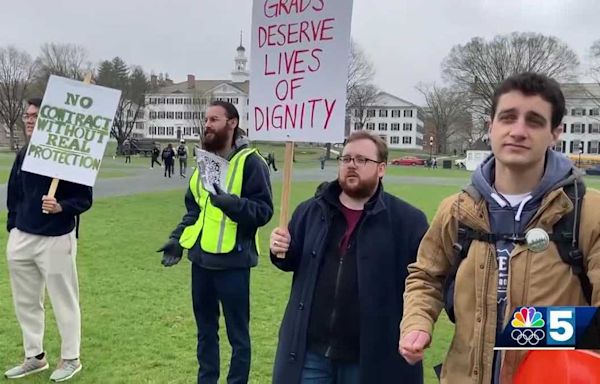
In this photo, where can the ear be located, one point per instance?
(556, 132)
(381, 169)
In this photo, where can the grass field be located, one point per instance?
(137, 320)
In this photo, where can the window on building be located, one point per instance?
(594, 128)
(560, 146)
(161, 131)
(395, 126)
(187, 131)
(358, 113)
(178, 101)
(406, 140)
(383, 113)
(408, 113)
(152, 131)
(394, 140)
(161, 114)
(578, 111)
(395, 113)
(357, 126)
(234, 100)
(577, 128)
(407, 126)
(139, 126)
(187, 101)
(170, 115)
(595, 112)
(383, 126)
(371, 126)
(170, 100)
(187, 115)
(179, 115)
(170, 131)
(160, 100)
(574, 146)
(370, 113)
(153, 114)
(593, 146)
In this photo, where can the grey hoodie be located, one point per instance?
(504, 219)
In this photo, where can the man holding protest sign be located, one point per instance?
(349, 248)
(220, 232)
(41, 252)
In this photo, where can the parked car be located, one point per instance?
(595, 170)
(408, 160)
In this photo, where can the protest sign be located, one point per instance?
(72, 130)
(299, 61)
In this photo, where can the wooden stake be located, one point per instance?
(286, 188)
(54, 184)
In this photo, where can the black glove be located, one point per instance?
(172, 252)
(222, 199)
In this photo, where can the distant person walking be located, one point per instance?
(155, 154)
(127, 151)
(182, 155)
(168, 156)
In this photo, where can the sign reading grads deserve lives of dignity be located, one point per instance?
(299, 61)
(72, 130)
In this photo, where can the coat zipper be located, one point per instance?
(335, 298)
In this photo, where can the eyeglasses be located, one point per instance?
(27, 116)
(359, 161)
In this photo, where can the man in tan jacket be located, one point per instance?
(518, 188)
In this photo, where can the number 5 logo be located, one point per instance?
(561, 326)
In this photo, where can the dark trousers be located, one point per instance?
(230, 287)
(321, 370)
(127, 159)
(169, 166)
(155, 160)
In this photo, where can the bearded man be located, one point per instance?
(219, 232)
(349, 248)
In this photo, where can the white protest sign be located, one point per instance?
(72, 130)
(299, 67)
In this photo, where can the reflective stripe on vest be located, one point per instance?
(217, 232)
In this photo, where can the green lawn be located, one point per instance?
(138, 325)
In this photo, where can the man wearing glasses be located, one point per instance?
(349, 248)
(41, 253)
(219, 231)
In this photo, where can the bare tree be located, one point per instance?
(447, 110)
(595, 73)
(16, 74)
(479, 66)
(360, 90)
(66, 60)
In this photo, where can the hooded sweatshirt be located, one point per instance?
(512, 217)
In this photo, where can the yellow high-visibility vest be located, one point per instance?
(217, 231)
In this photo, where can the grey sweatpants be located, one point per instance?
(37, 262)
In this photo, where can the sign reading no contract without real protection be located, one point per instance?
(72, 130)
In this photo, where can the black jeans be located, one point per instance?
(154, 160)
(169, 167)
(230, 287)
(182, 165)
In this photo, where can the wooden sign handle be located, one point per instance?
(52, 190)
(286, 188)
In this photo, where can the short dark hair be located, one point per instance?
(532, 84)
(35, 101)
(230, 110)
(382, 148)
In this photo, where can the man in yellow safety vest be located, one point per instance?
(219, 231)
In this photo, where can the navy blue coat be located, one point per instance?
(387, 241)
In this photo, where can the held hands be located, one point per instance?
(280, 241)
(221, 198)
(50, 205)
(172, 252)
(412, 346)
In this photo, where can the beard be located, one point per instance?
(360, 189)
(216, 141)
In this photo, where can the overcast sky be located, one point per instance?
(405, 39)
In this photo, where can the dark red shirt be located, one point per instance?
(352, 218)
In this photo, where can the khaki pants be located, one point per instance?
(37, 262)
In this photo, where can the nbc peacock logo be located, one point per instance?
(528, 323)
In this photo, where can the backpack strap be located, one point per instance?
(566, 237)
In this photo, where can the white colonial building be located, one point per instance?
(177, 111)
(397, 121)
(581, 124)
